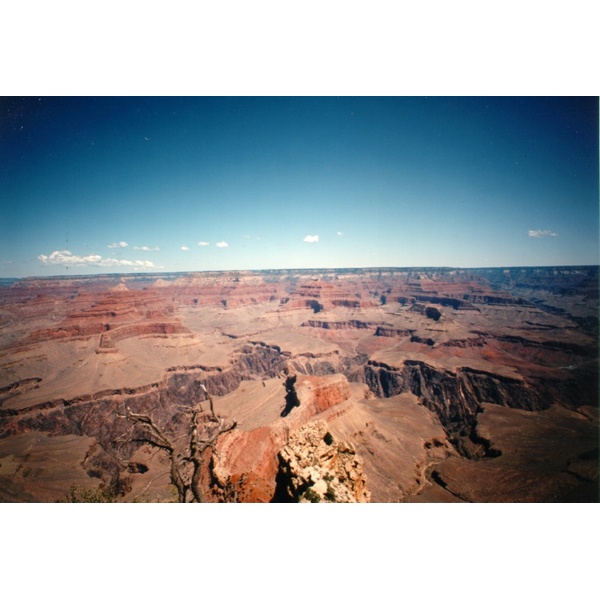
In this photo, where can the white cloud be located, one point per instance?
(203, 243)
(539, 233)
(311, 239)
(67, 259)
(222, 245)
(146, 248)
(340, 233)
(184, 248)
(118, 245)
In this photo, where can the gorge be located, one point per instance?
(435, 385)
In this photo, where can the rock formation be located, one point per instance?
(245, 465)
(315, 467)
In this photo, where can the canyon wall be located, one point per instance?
(78, 352)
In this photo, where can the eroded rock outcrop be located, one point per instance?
(245, 466)
(315, 467)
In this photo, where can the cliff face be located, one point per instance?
(455, 397)
(245, 466)
(112, 336)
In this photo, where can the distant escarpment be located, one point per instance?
(351, 324)
(456, 396)
(111, 336)
(63, 332)
(324, 295)
(386, 331)
(455, 303)
(110, 332)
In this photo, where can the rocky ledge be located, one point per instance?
(315, 467)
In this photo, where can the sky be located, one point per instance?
(125, 184)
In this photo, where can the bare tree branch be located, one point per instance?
(186, 452)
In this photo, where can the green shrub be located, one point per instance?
(330, 494)
(312, 496)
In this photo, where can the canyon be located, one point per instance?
(345, 385)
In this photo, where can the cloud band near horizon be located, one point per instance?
(68, 259)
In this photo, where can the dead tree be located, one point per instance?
(185, 451)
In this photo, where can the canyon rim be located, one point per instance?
(345, 385)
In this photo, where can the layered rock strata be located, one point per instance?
(437, 345)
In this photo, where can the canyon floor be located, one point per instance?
(442, 385)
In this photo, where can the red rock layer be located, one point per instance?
(247, 460)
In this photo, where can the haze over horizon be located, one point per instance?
(118, 185)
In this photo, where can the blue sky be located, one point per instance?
(105, 185)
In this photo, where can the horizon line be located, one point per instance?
(298, 269)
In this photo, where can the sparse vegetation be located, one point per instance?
(99, 494)
(330, 494)
(311, 496)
